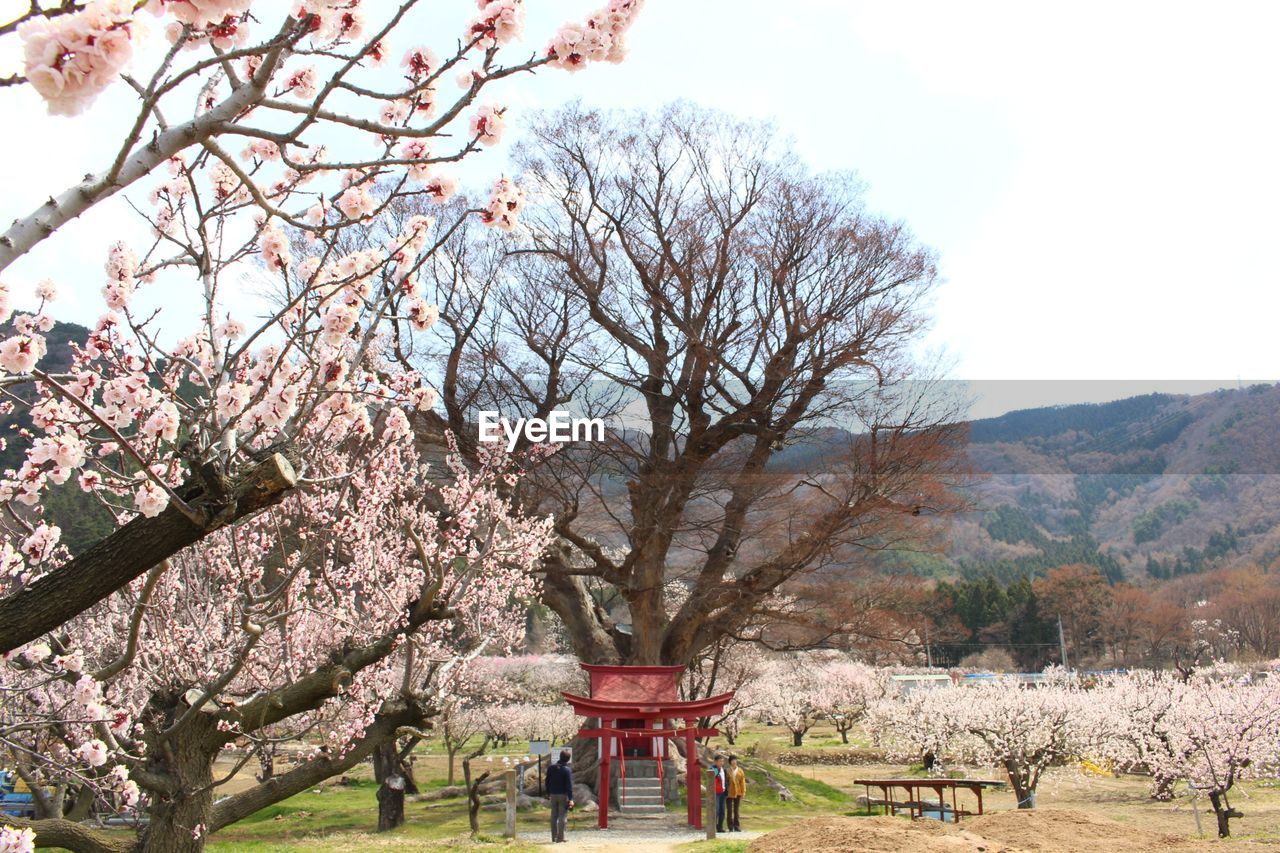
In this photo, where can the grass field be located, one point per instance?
(342, 816)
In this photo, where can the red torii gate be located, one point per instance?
(643, 695)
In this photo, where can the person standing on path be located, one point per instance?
(722, 792)
(737, 790)
(560, 789)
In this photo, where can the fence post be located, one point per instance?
(510, 830)
(710, 819)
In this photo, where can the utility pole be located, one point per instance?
(928, 651)
(1062, 642)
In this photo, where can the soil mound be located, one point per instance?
(873, 835)
(1043, 830)
(1069, 831)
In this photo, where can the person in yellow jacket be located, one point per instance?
(737, 790)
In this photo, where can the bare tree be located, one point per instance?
(744, 326)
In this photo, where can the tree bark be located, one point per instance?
(113, 562)
(180, 818)
(473, 795)
(387, 770)
(73, 836)
(390, 807)
(797, 738)
(1023, 790)
(266, 760)
(1223, 812)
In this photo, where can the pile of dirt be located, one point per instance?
(1044, 830)
(873, 835)
(1069, 831)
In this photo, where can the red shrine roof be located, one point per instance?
(640, 692)
(634, 683)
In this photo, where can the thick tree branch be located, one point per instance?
(138, 546)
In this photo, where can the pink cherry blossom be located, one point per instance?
(302, 83)
(70, 59)
(163, 423)
(441, 188)
(488, 124)
(600, 38)
(150, 499)
(275, 248)
(505, 203)
(422, 399)
(92, 752)
(224, 179)
(574, 45)
(499, 22)
(356, 201)
(396, 426)
(417, 149)
(13, 840)
(205, 13)
(65, 450)
(39, 546)
(232, 399)
(87, 690)
(422, 314)
(419, 63)
(20, 353)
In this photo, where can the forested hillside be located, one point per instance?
(1158, 486)
(81, 518)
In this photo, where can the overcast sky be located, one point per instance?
(1100, 179)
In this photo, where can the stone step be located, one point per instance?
(642, 800)
(642, 820)
(639, 810)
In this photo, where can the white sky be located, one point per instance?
(1101, 179)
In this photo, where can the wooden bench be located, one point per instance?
(913, 799)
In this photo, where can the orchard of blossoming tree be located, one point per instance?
(284, 561)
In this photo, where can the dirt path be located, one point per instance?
(630, 840)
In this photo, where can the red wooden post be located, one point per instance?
(606, 747)
(693, 779)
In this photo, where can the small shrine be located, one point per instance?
(638, 711)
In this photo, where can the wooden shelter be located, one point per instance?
(637, 710)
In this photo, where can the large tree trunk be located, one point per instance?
(1223, 812)
(387, 770)
(49, 601)
(1020, 780)
(797, 738)
(586, 760)
(180, 820)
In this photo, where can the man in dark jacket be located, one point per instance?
(560, 788)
